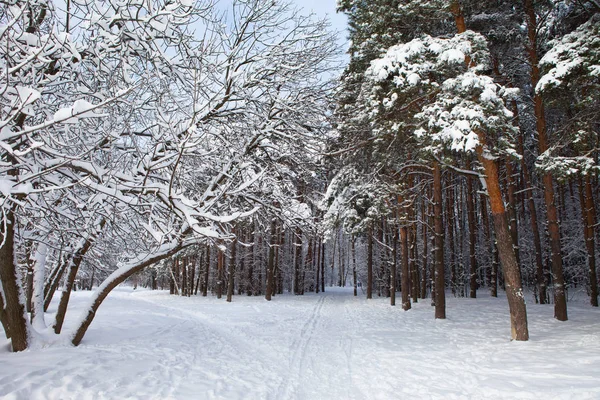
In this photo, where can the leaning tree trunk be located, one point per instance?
(53, 281)
(14, 310)
(560, 301)
(74, 265)
(115, 279)
(440, 294)
(512, 272)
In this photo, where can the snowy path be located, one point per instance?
(149, 345)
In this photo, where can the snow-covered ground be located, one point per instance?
(149, 345)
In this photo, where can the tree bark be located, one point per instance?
(535, 231)
(270, 266)
(512, 272)
(370, 261)
(298, 261)
(588, 214)
(354, 265)
(220, 277)
(405, 280)
(73, 269)
(110, 283)
(206, 273)
(560, 301)
(440, 295)
(323, 267)
(14, 310)
(472, 235)
(231, 274)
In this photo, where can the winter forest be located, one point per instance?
(226, 163)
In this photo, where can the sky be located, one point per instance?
(326, 8)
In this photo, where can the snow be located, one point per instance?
(150, 345)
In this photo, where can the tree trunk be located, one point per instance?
(323, 267)
(270, 277)
(298, 261)
(14, 310)
(53, 281)
(370, 261)
(450, 224)
(588, 213)
(535, 231)
(560, 301)
(512, 209)
(394, 266)
(110, 283)
(220, 266)
(405, 281)
(354, 265)
(75, 262)
(206, 273)
(318, 274)
(512, 272)
(424, 224)
(472, 235)
(231, 274)
(182, 261)
(440, 295)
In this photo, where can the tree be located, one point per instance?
(170, 133)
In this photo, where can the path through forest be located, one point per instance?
(150, 345)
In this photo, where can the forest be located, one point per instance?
(223, 149)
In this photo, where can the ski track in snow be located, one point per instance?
(150, 345)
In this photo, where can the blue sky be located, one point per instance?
(326, 8)
(323, 8)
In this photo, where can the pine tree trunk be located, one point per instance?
(394, 266)
(512, 209)
(220, 272)
(472, 235)
(370, 261)
(318, 273)
(440, 295)
(270, 266)
(354, 266)
(588, 213)
(535, 231)
(591, 242)
(323, 268)
(560, 301)
(405, 281)
(424, 224)
(512, 272)
(450, 224)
